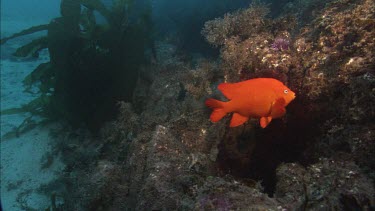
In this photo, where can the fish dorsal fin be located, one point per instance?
(264, 121)
(237, 120)
(228, 90)
(278, 108)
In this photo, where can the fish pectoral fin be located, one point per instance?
(264, 121)
(278, 108)
(237, 120)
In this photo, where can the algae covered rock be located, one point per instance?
(226, 194)
(247, 40)
(328, 184)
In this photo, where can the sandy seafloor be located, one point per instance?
(22, 157)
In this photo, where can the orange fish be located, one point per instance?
(261, 98)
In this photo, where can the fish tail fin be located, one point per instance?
(218, 109)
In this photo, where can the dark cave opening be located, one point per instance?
(250, 152)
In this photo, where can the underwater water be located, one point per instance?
(187, 105)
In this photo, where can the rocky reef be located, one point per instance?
(162, 153)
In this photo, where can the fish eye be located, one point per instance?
(285, 91)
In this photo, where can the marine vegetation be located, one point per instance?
(94, 60)
(246, 38)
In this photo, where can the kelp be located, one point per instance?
(35, 107)
(92, 65)
(98, 6)
(32, 48)
(28, 31)
(44, 74)
(27, 124)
